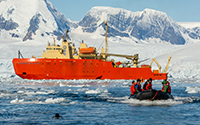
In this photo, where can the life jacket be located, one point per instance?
(148, 86)
(133, 88)
(168, 89)
(139, 88)
(145, 85)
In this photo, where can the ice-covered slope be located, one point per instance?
(30, 19)
(185, 62)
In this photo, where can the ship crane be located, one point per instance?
(134, 58)
(159, 67)
(154, 60)
(105, 54)
(166, 68)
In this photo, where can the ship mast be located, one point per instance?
(106, 41)
(67, 35)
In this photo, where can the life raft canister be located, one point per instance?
(89, 50)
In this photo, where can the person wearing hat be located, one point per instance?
(135, 88)
(166, 87)
(145, 84)
(138, 86)
(148, 84)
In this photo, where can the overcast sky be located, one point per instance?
(178, 10)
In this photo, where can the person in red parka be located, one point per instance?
(133, 88)
(148, 84)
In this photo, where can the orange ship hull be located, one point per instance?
(38, 68)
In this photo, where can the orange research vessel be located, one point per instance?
(64, 62)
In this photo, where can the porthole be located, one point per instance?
(24, 73)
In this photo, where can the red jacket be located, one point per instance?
(148, 86)
(133, 88)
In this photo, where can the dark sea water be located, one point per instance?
(94, 102)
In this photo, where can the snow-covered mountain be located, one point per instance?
(39, 19)
(30, 19)
(147, 25)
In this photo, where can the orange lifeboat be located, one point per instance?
(89, 50)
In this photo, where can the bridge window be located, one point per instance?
(49, 48)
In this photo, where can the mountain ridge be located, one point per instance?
(141, 25)
(33, 18)
(40, 19)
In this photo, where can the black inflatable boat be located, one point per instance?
(152, 95)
